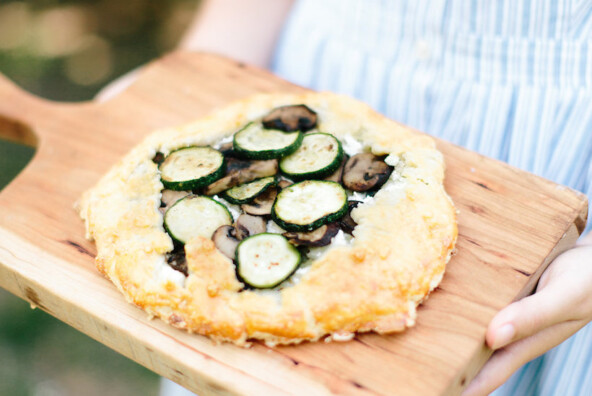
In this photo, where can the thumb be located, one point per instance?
(527, 316)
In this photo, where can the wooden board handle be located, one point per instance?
(26, 118)
(15, 103)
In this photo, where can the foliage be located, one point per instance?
(67, 50)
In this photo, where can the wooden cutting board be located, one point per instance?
(511, 225)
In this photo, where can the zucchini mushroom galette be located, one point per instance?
(280, 218)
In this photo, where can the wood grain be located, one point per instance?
(511, 225)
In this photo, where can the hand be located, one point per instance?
(526, 329)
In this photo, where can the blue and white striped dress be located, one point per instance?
(510, 79)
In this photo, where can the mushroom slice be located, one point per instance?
(291, 118)
(365, 171)
(248, 225)
(170, 197)
(261, 206)
(320, 237)
(284, 183)
(227, 149)
(177, 260)
(235, 164)
(239, 172)
(346, 223)
(225, 240)
(158, 158)
(338, 174)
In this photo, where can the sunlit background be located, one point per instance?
(68, 50)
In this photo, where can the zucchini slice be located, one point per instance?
(255, 142)
(266, 260)
(319, 155)
(190, 168)
(195, 215)
(308, 205)
(247, 192)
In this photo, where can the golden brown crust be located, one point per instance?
(401, 245)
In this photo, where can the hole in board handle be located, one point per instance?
(17, 146)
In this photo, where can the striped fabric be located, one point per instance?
(510, 79)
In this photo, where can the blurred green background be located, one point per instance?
(67, 50)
